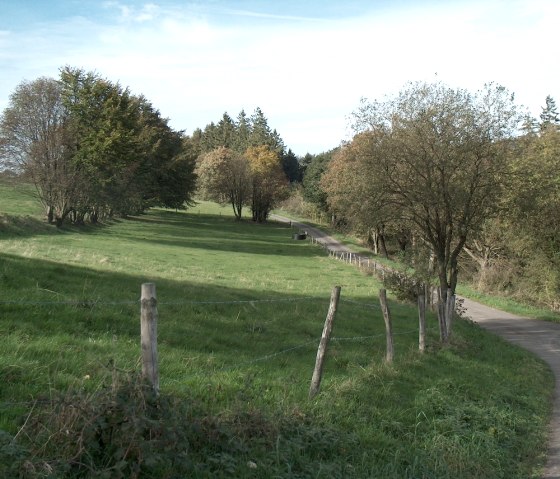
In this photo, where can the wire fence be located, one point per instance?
(94, 302)
(362, 262)
(229, 367)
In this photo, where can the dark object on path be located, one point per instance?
(299, 236)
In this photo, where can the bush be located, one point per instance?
(13, 457)
(121, 431)
(126, 431)
(405, 287)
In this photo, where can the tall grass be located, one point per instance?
(241, 312)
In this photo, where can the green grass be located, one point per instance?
(18, 198)
(241, 310)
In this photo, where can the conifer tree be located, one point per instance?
(549, 115)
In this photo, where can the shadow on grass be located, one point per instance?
(12, 227)
(473, 388)
(41, 300)
(215, 233)
(186, 230)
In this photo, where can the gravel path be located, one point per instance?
(542, 338)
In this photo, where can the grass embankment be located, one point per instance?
(241, 312)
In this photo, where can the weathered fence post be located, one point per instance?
(148, 331)
(321, 351)
(388, 325)
(422, 322)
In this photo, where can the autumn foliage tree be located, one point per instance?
(518, 253)
(432, 158)
(352, 196)
(225, 177)
(268, 181)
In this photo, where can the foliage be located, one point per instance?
(93, 149)
(315, 166)
(225, 177)
(34, 142)
(268, 182)
(241, 134)
(549, 115)
(431, 160)
(405, 286)
(291, 167)
(518, 253)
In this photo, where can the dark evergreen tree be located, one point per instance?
(225, 132)
(242, 133)
(312, 190)
(290, 165)
(261, 134)
(549, 115)
(304, 163)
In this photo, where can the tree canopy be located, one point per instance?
(431, 158)
(93, 149)
(224, 176)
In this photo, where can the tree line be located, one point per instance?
(92, 149)
(243, 163)
(451, 181)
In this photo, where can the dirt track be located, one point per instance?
(540, 337)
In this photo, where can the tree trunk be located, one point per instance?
(373, 241)
(50, 214)
(383, 245)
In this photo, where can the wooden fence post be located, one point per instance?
(388, 325)
(148, 331)
(422, 322)
(321, 351)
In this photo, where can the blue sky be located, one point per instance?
(306, 64)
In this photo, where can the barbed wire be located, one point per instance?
(68, 303)
(361, 338)
(245, 301)
(359, 303)
(91, 303)
(6, 404)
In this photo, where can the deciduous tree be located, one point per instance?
(224, 176)
(35, 142)
(268, 182)
(440, 157)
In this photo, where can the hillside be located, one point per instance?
(241, 310)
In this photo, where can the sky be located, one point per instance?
(305, 63)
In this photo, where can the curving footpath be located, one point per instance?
(542, 338)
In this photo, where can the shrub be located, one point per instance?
(405, 287)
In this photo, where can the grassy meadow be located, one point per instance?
(241, 310)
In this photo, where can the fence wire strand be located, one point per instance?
(90, 303)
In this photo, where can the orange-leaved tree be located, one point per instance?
(268, 181)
